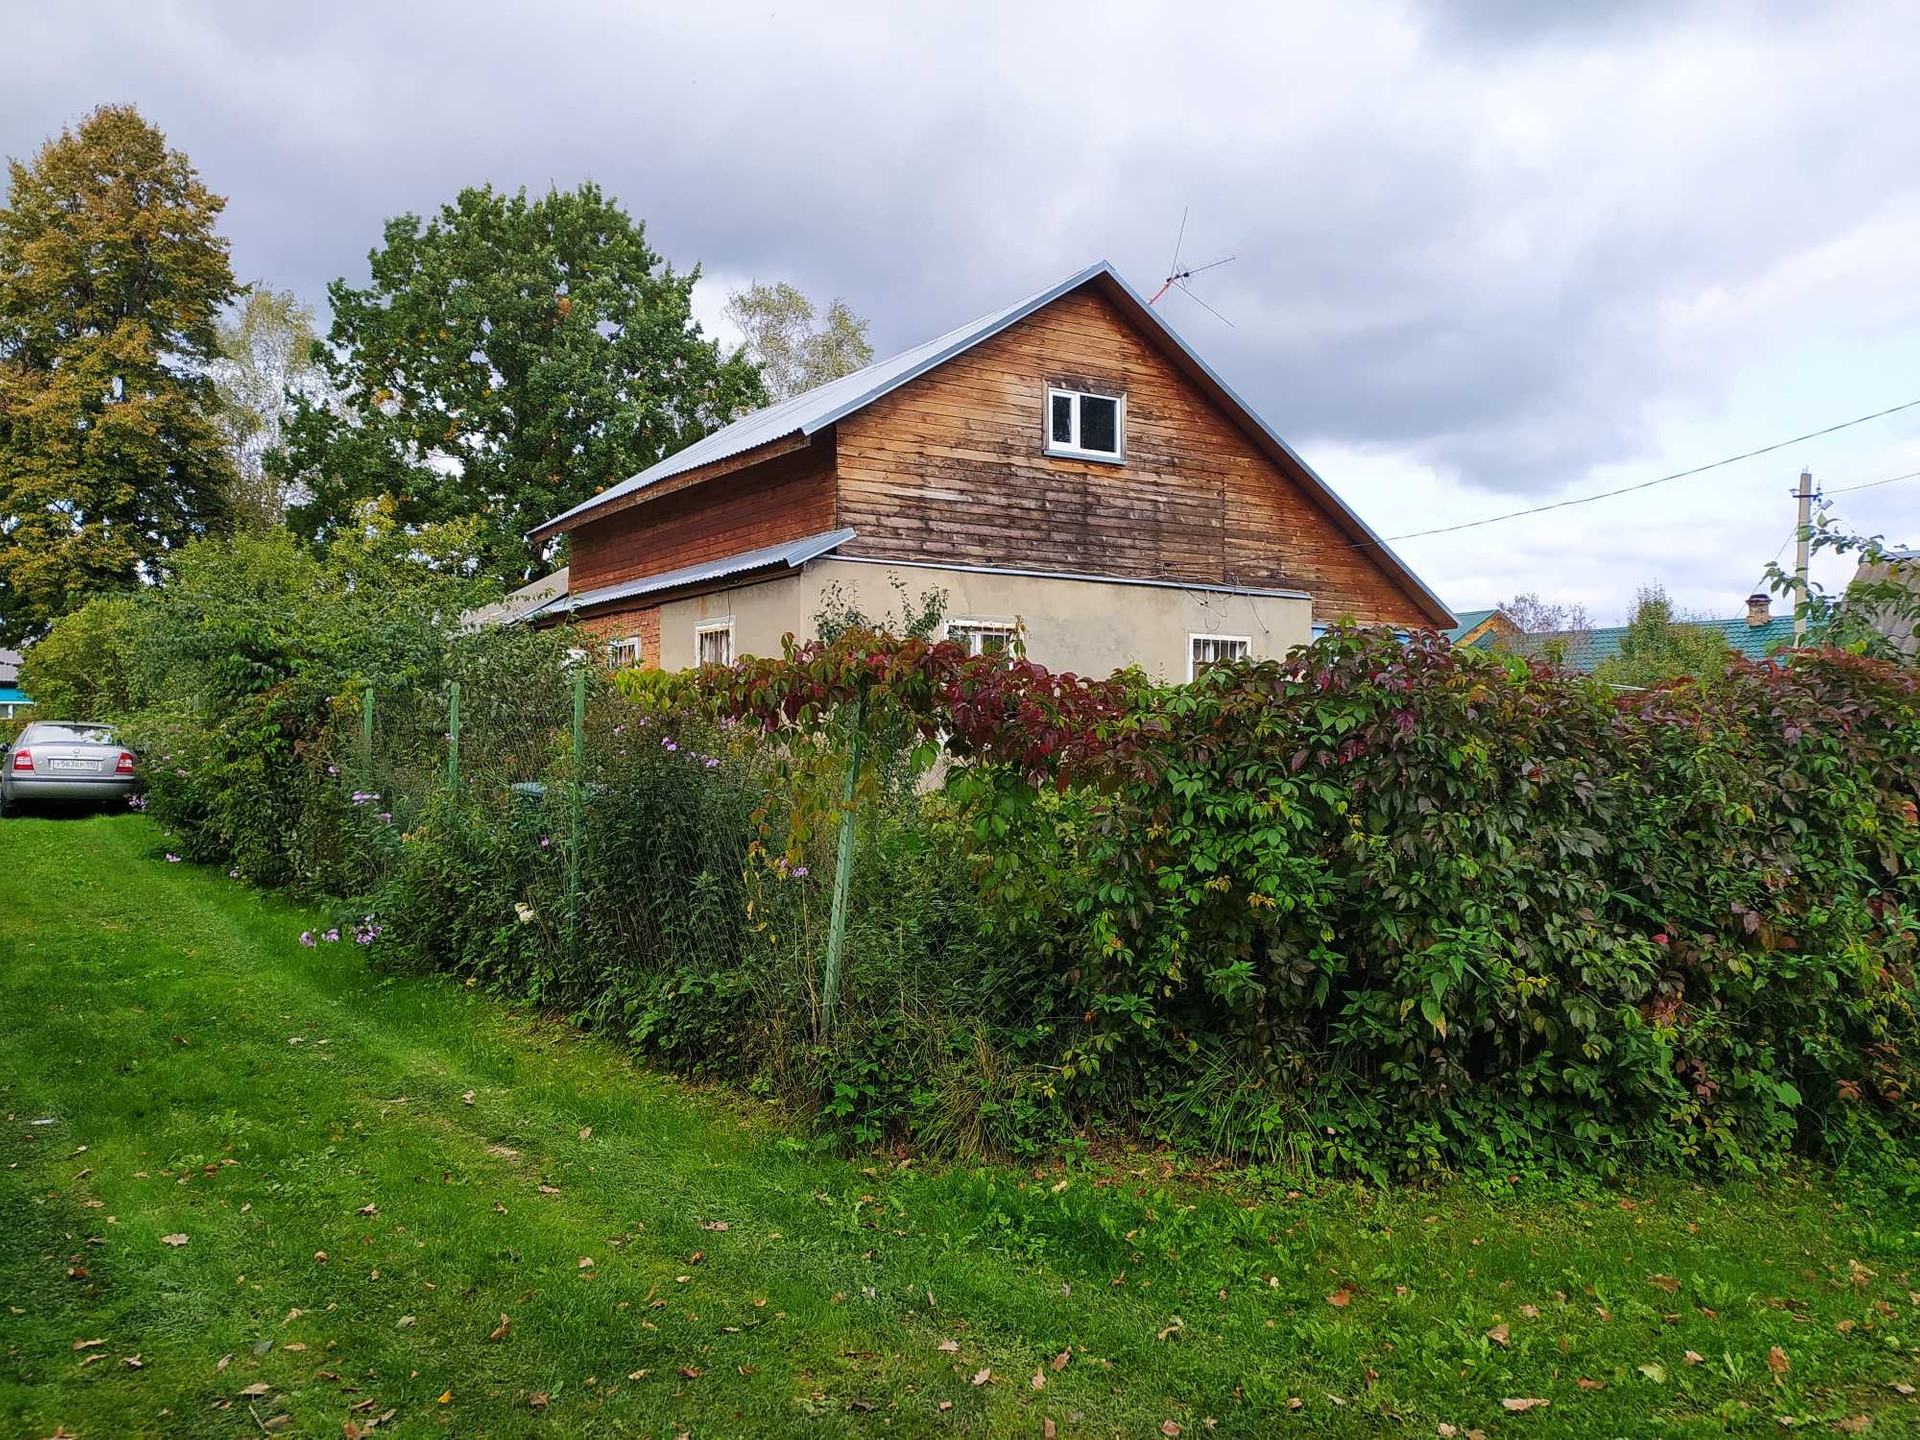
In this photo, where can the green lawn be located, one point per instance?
(370, 1173)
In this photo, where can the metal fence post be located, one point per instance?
(843, 872)
(366, 737)
(453, 734)
(574, 800)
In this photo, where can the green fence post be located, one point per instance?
(843, 872)
(366, 738)
(453, 734)
(574, 800)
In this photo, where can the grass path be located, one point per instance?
(174, 1063)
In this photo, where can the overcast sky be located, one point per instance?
(1485, 257)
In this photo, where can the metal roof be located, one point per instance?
(1586, 650)
(792, 554)
(816, 409)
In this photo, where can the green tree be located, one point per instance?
(111, 279)
(511, 358)
(87, 665)
(266, 357)
(1659, 646)
(777, 321)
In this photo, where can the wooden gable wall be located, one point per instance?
(784, 498)
(950, 468)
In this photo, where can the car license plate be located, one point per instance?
(72, 764)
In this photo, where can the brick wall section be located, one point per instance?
(618, 624)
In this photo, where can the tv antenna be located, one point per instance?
(1177, 277)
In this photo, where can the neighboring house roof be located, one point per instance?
(809, 413)
(788, 556)
(520, 603)
(1585, 650)
(1469, 621)
(9, 666)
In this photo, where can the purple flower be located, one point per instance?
(544, 842)
(333, 769)
(136, 802)
(618, 728)
(172, 859)
(670, 745)
(306, 938)
(386, 817)
(331, 935)
(712, 763)
(233, 874)
(799, 872)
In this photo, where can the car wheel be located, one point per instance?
(7, 808)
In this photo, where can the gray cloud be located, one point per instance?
(1477, 233)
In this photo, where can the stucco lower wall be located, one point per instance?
(1091, 627)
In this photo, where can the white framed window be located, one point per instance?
(982, 637)
(1086, 425)
(713, 642)
(1204, 651)
(624, 653)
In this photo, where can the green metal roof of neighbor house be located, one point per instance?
(1468, 619)
(1585, 650)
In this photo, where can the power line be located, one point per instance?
(1662, 480)
(1871, 484)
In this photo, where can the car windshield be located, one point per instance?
(81, 734)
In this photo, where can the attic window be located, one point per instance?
(1086, 425)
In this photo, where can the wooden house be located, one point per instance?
(1067, 464)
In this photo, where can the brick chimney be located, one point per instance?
(1759, 610)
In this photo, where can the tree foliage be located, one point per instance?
(1659, 646)
(1536, 616)
(1876, 613)
(510, 358)
(781, 338)
(266, 358)
(111, 279)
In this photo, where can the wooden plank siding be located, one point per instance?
(951, 468)
(787, 497)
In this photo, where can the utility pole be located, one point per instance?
(1800, 556)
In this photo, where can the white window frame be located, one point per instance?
(973, 629)
(626, 653)
(1245, 640)
(709, 627)
(1072, 449)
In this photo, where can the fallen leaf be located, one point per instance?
(946, 1404)
(638, 1374)
(1665, 1282)
(696, 1257)
(1446, 1431)
(586, 1132)
(87, 1344)
(689, 1372)
(1048, 1431)
(467, 1098)
(1530, 1312)
(254, 1392)
(1061, 1360)
(403, 1322)
(714, 1225)
(1167, 1427)
(1900, 1387)
(174, 1240)
(950, 1346)
(586, 1262)
(1853, 1424)
(1693, 1357)
(368, 1210)
(1178, 1324)
(132, 1362)
(982, 1376)
(1039, 1380)
(1585, 1384)
(1777, 1362)
(1653, 1372)
(500, 1330)
(446, 1397)
(1339, 1299)
(1498, 1334)
(1518, 1406)
(224, 1361)
(537, 1400)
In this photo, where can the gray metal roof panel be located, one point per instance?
(792, 554)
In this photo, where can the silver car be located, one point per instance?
(62, 760)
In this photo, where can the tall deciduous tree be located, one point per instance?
(1658, 645)
(511, 358)
(111, 278)
(793, 356)
(266, 357)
